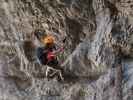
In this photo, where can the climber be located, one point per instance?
(47, 55)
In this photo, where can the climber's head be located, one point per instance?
(48, 40)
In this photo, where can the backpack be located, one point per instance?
(41, 54)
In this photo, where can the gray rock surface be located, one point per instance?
(99, 41)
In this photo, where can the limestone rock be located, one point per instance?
(97, 32)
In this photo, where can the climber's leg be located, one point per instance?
(60, 74)
(57, 70)
(49, 72)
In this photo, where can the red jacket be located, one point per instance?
(52, 55)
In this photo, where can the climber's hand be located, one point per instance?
(61, 49)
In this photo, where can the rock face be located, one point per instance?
(97, 61)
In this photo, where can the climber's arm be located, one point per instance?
(61, 49)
